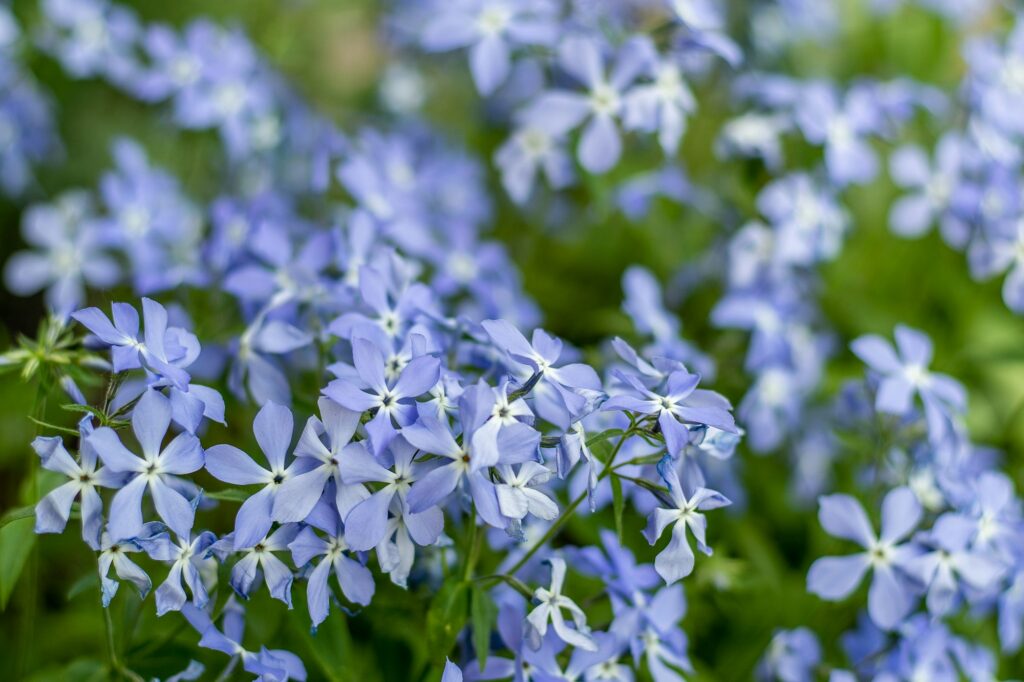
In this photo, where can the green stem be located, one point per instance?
(108, 626)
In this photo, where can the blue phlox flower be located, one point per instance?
(948, 563)
(68, 254)
(53, 510)
(392, 401)
(792, 656)
(676, 561)
(269, 665)
(678, 404)
(260, 558)
(273, 430)
(127, 349)
(550, 602)
(491, 29)
(152, 471)
(561, 394)
(904, 373)
(187, 555)
(891, 596)
(298, 494)
(113, 554)
(556, 112)
(353, 577)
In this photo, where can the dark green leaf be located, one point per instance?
(484, 614)
(83, 584)
(17, 514)
(16, 541)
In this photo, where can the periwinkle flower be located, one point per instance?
(273, 430)
(490, 28)
(53, 510)
(298, 494)
(353, 577)
(550, 602)
(676, 561)
(559, 111)
(127, 349)
(154, 470)
(68, 254)
(904, 373)
(186, 554)
(890, 597)
(678, 404)
(390, 400)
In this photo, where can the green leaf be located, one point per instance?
(617, 504)
(16, 541)
(227, 495)
(484, 614)
(83, 584)
(604, 436)
(53, 427)
(17, 514)
(447, 616)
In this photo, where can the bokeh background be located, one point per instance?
(571, 263)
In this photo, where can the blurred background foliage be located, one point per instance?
(571, 263)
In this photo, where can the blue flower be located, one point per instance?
(490, 28)
(371, 390)
(792, 656)
(368, 521)
(260, 557)
(113, 554)
(834, 578)
(550, 602)
(53, 510)
(680, 401)
(949, 563)
(70, 254)
(154, 471)
(272, 665)
(556, 112)
(562, 394)
(128, 351)
(273, 429)
(298, 494)
(676, 561)
(353, 577)
(187, 557)
(903, 373)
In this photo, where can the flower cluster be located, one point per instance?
(322, 383)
